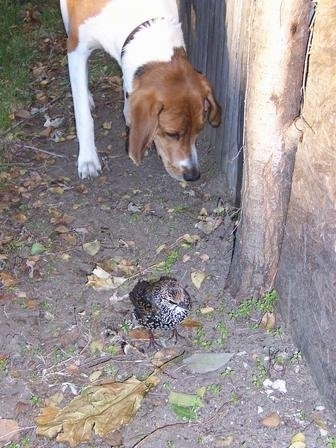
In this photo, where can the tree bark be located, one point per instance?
(279, 32)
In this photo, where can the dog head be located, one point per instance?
(169, 106)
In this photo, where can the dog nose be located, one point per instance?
(192, 174)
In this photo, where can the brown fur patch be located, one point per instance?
(79, 11)
(169, 105)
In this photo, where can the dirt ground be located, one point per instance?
(59, 334)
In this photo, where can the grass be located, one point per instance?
(265, 304)
(259, 376)
(19, 49)
(331, 442)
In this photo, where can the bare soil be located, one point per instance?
(56, 331)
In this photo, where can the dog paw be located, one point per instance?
(88, 168)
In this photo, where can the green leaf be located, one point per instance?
(37, 249)
(207, 362)
(184, 405)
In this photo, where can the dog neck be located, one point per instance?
(151, 41)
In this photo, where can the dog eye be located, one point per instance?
(174, 135)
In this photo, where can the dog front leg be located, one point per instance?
(88, 161)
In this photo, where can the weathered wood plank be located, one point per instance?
(306, 279)
(215, 32)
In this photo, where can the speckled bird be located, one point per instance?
(160, 304)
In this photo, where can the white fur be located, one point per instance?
(192, 161)
(109, 30)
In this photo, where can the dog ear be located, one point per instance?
(144, 115)
(211, 107)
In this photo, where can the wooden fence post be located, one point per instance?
(279, 33)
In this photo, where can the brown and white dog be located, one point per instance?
(166, 100)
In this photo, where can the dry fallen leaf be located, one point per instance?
(297, 445)
(207, 310)
(271, 420)
(92, 247)
(103, 408)
(298, 437)
(189, 239)
(164, 355)
(9, 430)
(268, 321)
(191, 323)
(7, 279)
(141, 334)
(197, 278)
(209, 225)
(62, 229)
(101, 280)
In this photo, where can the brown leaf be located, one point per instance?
(103, 408)
(163, 356)
(21, 408)
(81, 189)
(268, 321)
(271, 420)
(56, 190)
(31, 304)
(69, 238)
(72, 369)
(9, 430)
(7, 279)
(139, 334)
(20, 218)
(62, 229)
(191, 323)
(22, 113)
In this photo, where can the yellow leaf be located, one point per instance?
(299, 437)
(197, 278)
(297, 445)
(103, 408)
(207, 310)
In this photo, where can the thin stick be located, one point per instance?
(172, 425)
(33, 148)
(40, 111)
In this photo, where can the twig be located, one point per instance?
(40, 111)
(33, 148)
(172, 425)
(26, 428)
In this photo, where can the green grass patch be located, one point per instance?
(20, 48)
(265, 304)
